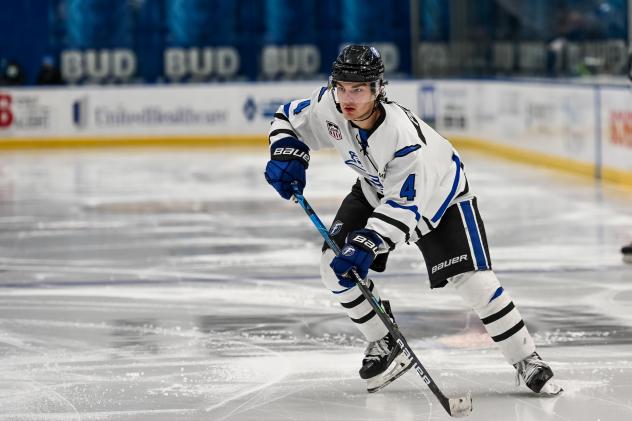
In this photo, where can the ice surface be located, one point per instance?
(166, 285)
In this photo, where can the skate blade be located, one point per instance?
(551, 389)
(395, 371)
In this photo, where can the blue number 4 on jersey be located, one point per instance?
(408, 189)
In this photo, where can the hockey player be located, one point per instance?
(411, 188)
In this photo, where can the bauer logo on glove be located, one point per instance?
(358, 253)
(285, 170)
(363, 241)
(283, 154)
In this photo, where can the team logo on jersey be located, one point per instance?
(354, 161)
(375, 181)
(336, 227)
(334, 130)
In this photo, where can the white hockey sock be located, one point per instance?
(502, 320)
(355, 305)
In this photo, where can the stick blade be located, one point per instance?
(461, 407)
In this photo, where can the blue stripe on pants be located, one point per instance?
(475, 238)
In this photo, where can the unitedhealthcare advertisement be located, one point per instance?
(178, 111)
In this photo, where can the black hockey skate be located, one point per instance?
(383, 360)
(536, 375)
(627, 253)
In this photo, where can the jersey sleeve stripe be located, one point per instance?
(301, 105)
(413, 209)
(394, 222)
(406, 150)
(281, 116)
(455, 184)
(322, 92)
(284, 131)
(286, 108)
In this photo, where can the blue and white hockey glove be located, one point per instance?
(287, 165)
(358, 253)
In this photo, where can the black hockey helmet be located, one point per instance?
(358, 63)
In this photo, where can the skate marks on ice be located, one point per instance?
(143, 368)
(176, 286)
(166, 355)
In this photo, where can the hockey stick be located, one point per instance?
(456, 407)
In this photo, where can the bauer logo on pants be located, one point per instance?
(449, 263)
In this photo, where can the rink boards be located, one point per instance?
(577, 127)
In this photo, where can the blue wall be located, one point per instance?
(35, 29)
(25, 32)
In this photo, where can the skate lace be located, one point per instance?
(376, 350)
(528, 366)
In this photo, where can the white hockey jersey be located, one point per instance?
(408, 172)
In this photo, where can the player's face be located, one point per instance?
(355, 98)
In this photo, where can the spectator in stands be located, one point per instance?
(49, 74)
(11, 73)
